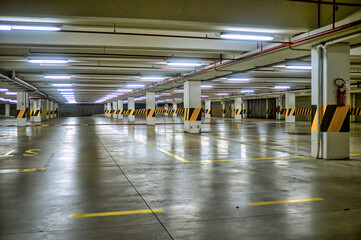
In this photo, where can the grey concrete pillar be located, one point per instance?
(131, 109)
(21, 107)
(175, 107)
(290, 106)
(115, 109)
(166, 108)
(207, 107)
(120, 109)
(192, 106)
(7, 110)
(238, 109)
(150, 106)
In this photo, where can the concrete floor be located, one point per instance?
(198, 186)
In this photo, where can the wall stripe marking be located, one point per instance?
(286, 201)
(105, 214)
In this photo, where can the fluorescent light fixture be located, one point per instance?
(10, 93)
(152, 78)
(5, 27)
(124, 90)
(57, 76)
(204, 96)
(238, 79)
(206, 86)
(165, 94)
(4, 89)
(222, 94)
(135, 85)
(178, 99)
(47, 61)
(62, 84)
(168, 100)
(65, 89)
(239, 36)
(299, 67)
(184, 64)
(35, 28)
(253, 30)
(247, 91)
(156, 95)
(178, 90)
(282, 87)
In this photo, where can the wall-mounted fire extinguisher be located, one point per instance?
(341, 91)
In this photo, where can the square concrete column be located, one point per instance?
(192, 106)
(166, 108)
(267, 110)
(330, 124)
(109, 109)
(52, 109)
(238, 109)
(150, 106)
(56, 110)
(207, 107)
(223, 103)
(120, 109)
(47, 109)
(353, 105)
(7, 110)
(131, 109)
(280, 105)
(175, 107)
(31, 109)
(38, 110)
(115, 110)
(245, 109)
(290, 106)
(21, 107)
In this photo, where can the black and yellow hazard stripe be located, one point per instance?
(239, 111)
(192, 114)
(36, 113)
(131, 112)
(290, 112)
(269, 111)
(120, 112)
(355, 111)
(333, 119)
(207, 111)
(150, 112)
(21, 113)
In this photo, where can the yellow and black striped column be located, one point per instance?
(131, 109)
(21, 107)
(192, 106)
(150, 105)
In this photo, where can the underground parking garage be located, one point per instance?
(180, 119)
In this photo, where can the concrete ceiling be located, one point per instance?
(109, 45)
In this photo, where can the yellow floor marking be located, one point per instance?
(56, 150)
(8, 154)
(355, 154)
(31, 170)
(251, 159)
(104, 214)
(164, 151)
(285, 201)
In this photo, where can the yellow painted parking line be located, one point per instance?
(26, 170)
(286, 201)
(355, 154)
(8, 154)
(105, 214)
(164, 151)
(251, 159)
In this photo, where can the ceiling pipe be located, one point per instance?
(26, 85)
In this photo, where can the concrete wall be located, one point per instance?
(303, 102)
(12, 109)
(357, 105)
(79, 110)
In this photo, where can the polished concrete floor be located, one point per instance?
(249, 180)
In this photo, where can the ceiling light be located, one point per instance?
(135, 85)
(178, 90)
(47, 61)
(124, 90)
(152, 78)
(206, 86)
(237, 36)
(165, 94)
(282, 87)
(299, 67)
(65, 89)
(62, 84)
(10, 93)
(247, 91)
(222, 94)
(254, 30)
(5, 27)
(204, 96)
(35, 28)
(4, 89)
(178, 99)
(185, 64)
(238, 79)
(57, 76)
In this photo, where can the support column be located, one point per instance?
(223, 103)
(115, 110)
(207, 106)
(192, 106)
(7, 110)
(47, 109)
(330, 136)
(353, 105)
(166, 108)
(52, 110)
(109, 109)
(290, 106)
(238, 110)
(150, 106)
(21, 107)
(31, 109)
(175, 106)
(280, 105)
(120, 109)
(245, 110)
(38, 110)
(57, 110)
(131, 109)
(267, 115)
